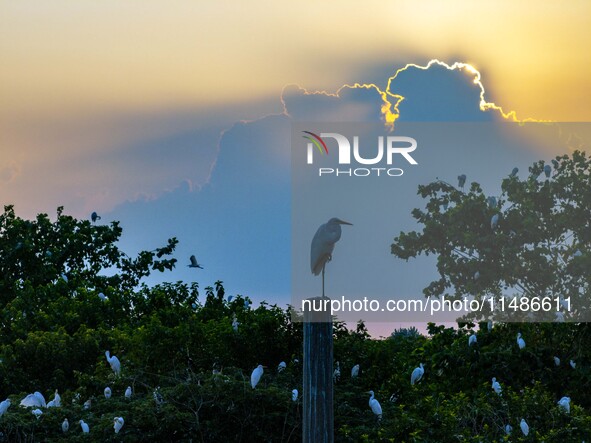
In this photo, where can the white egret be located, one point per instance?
(34, 400)
(494, 221)
(577, 253)
(102, 296)
(375, 406)
(128, 392)
(476, 275)
(4, 406)
(87, 404)
(281, 366)
(417, 374)
(520, 341)
(508, 429)
(492, 201)
(64, 277)
(235, 323)
(114, 362)
(256, 375)
(84, 426)
(524, 427)
(336, 375)
(65, 425)
(323, 244)
(194, 263)
(118, 424)
(489, 325)
(107, 392)
(547, 170)
(37, 413)
(158, 399)
(496, 386)
(94, 217)
(393, 398)
(56, 402)
(572, 364)
(461, 180)
(472, 340)
(294, 395)
(556, 361)
(355, 371)
(514, 172)
(564, 403)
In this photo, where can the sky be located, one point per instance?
(174, 117)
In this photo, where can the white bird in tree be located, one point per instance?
(375, 406)
(4, 406)
(494, 221)
(87, 404)
(508, 429)
(37, 413)
(102, 296)
(256, 375)
(194, 263)
(336, 375)
(572, 364)
(235, 323)
(492, 201)
(114, 362)
(65, 425)
(355, 371)
(281, 366)
(496, 386)
(34, 400)
(294, 395)
(323, 245)
(84, 426)
(461, 180)
(520, 341)
(107, 392)
(472, 340)
(524, 427)
(417, 374)
(564, 403)
(556, 361)
(128, 392)
(547, 170)
(118, 424)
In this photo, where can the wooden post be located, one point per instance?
(318, 426)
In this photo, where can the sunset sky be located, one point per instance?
(122, 106)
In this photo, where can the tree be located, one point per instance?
(531, 244)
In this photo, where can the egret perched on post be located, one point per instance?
(496, 386)
(417, 374)
(524, 427)
(323, 244)
(375, 406)
(114, 362)
(194, 263)
(256, 375)
(520, 341)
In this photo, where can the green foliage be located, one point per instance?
(189, 369)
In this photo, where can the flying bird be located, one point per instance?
(114, 362)
(84, 426)
(417, 374)
(256, 375)
(496, 386)
(65, 425)
(520, 341)
(461, 180)
(94, 217)
(323, 244)
(375, 406)
(194, 263)
(118, 424)
(524, 427)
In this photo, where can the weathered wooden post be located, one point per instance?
(318, 416)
